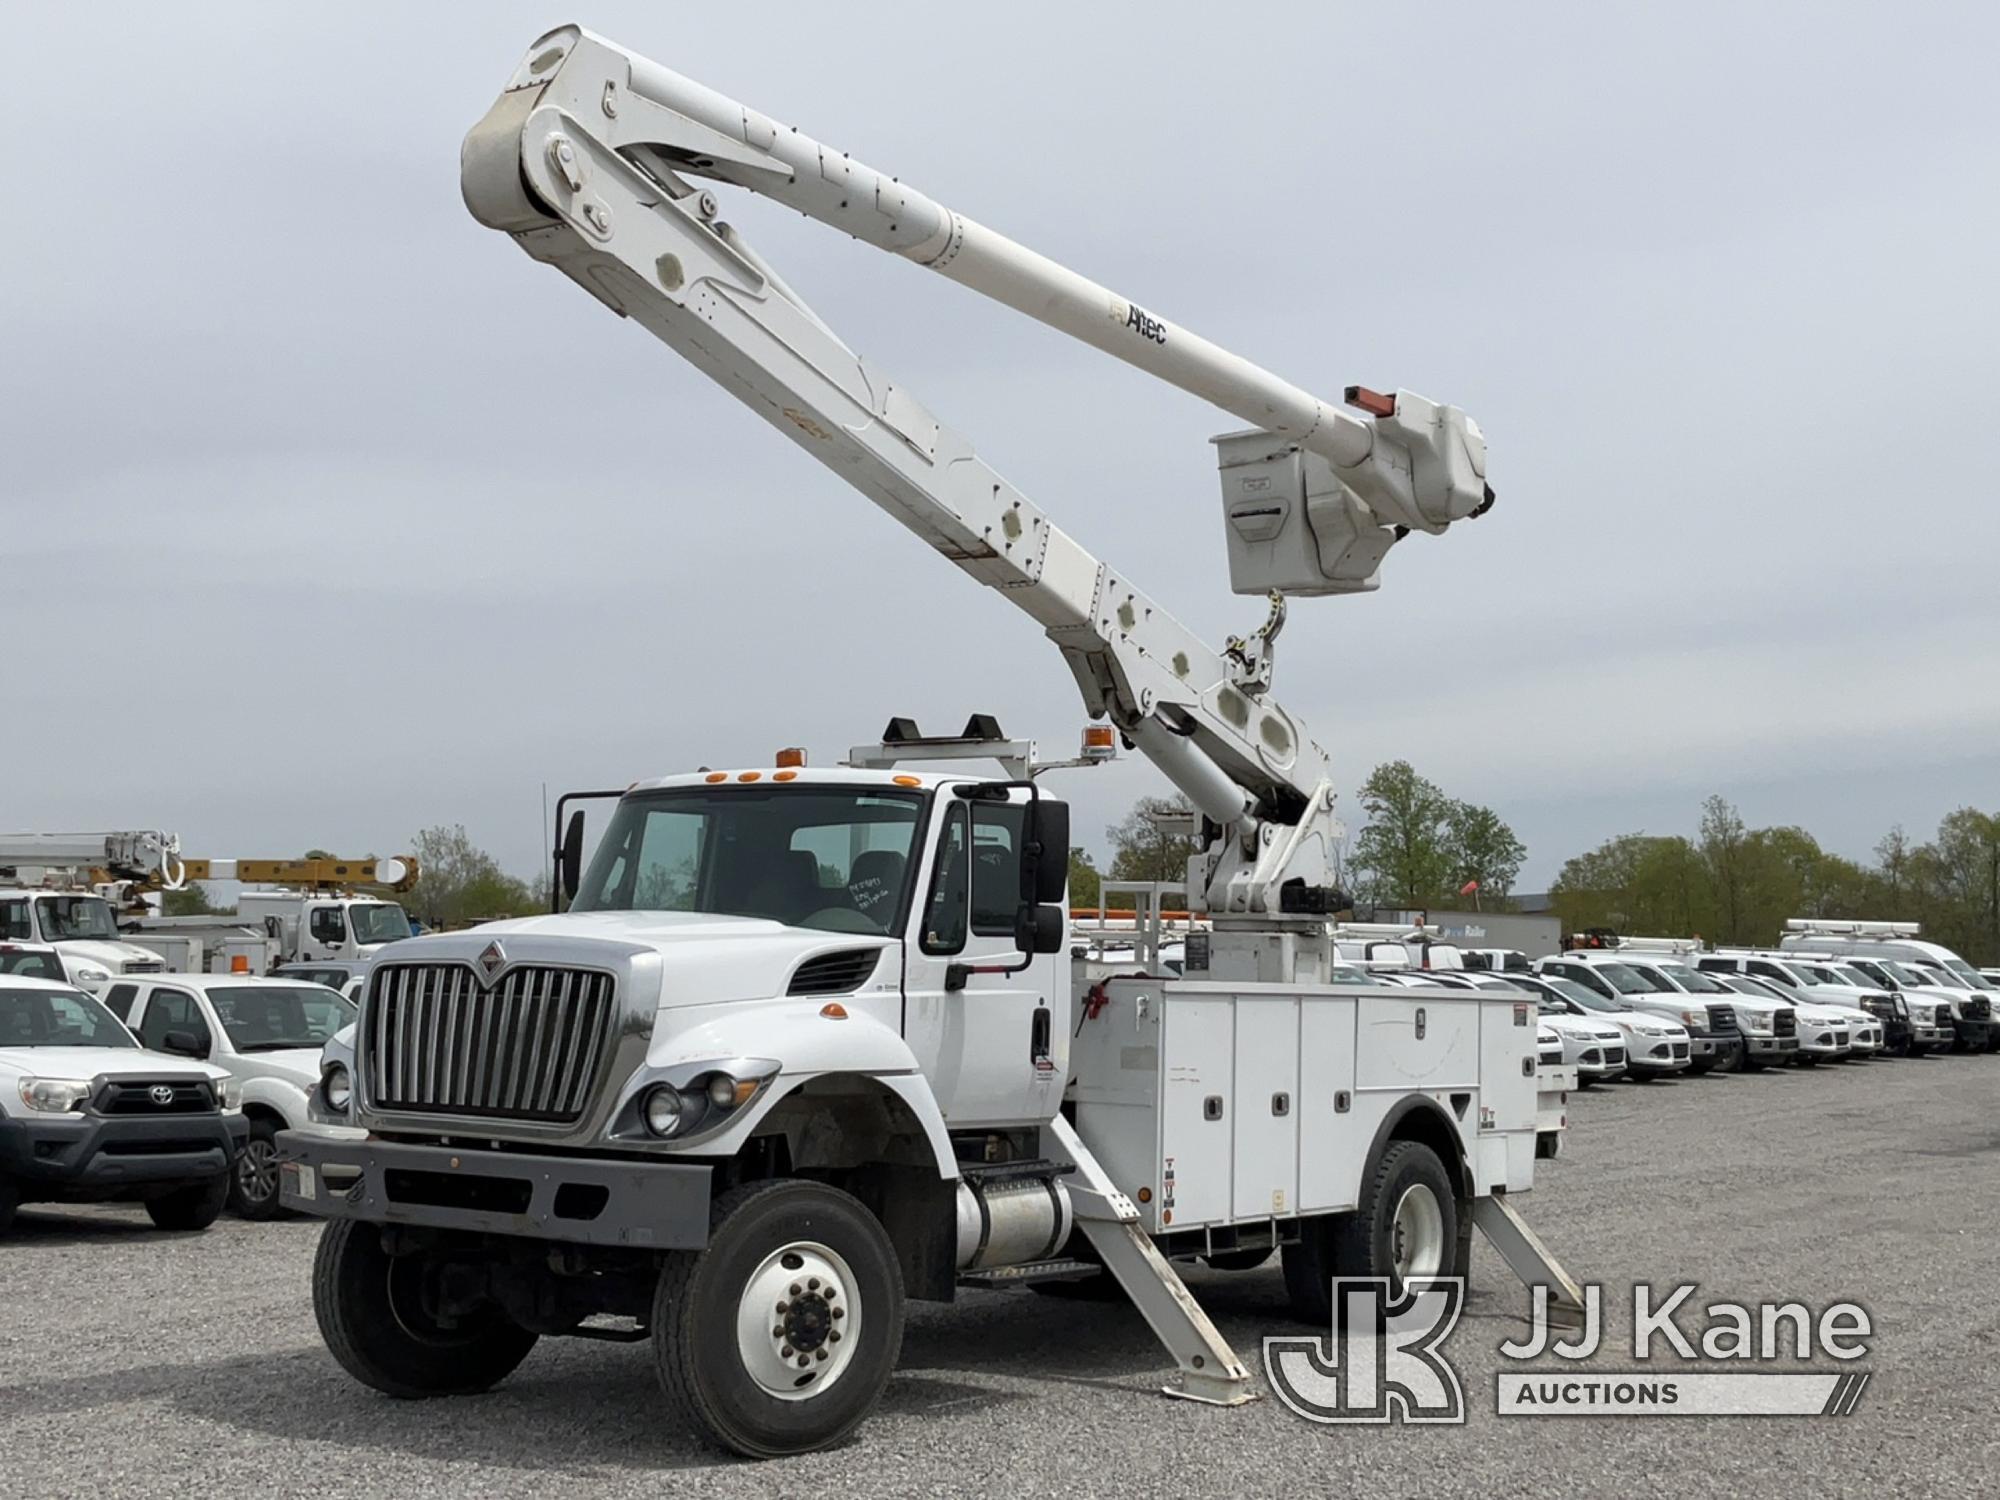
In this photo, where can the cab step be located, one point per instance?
(998, 1278)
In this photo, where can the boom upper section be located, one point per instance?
(593, 160)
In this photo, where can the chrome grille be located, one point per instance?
(525, 1048)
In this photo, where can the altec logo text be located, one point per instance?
(1384, 1360)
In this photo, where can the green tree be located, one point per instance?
(1148, 842)
(1722, 850)
(1482, 848)
(459, 882)
(191, 900)
(1085, 882)
(1404, 853)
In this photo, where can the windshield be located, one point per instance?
(1693, 980)
(378, 922)
(31, 964)
(69, 917)
(1902, 973)
(57, 1018)
(275, 1017)
(1851, 975)
(1583, 994)
(1630, 981)
(836, 858)
(1966, 974)
(1744, 984)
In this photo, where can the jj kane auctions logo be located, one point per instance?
(1384, 1361)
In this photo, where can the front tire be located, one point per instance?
(779, 1337)
(375, 1313)
(10, 1199)
(253, 1181)
(190, 1209)
(1405, 1226)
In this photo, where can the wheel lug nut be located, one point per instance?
(812, 1283)
(783, 1308)
(834, 1337)
(840, 1312)
(820, 1355)
(803, 1361)
(787, 1351)
(777, 1333)
(796, 1289)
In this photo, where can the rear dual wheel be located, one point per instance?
(1404, 1228)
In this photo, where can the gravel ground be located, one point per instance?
(137, 1362)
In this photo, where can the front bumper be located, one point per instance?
(581, 1200)
(96, 1155)
(1647, 1054)
(1931, 1036)
(1770, 1046)
(1711, 1049)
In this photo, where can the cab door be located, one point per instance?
(326, 931)
(994, 1046)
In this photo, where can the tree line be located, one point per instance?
(1734, 884)
(1420, 848)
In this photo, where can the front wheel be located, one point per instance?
(253, 1185)
(10, 1199)
(779, 1337)
(190, 1209)
(379, 1314)
(1405, 1227)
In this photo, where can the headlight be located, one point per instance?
(337, 1089)
(1694, 1018)
(1758, 1025)
(55, 1096)
(663, 1110)
(229, 1091)
(85, 974)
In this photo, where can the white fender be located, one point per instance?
(810, 1045)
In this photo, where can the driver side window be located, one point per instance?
(328, 925)
(946, 911)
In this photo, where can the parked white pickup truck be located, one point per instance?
(265, 1033)
(88, 1116)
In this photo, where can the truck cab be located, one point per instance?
(312, 926)
(82, 927)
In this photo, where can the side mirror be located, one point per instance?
(1040, 929)
(1045, 857)
(572, 855)
(181, 1043)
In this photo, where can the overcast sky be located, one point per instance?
(325, 514)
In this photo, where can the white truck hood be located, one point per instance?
(110, 1062)
(109, 956)
(1584, 1029)
(705, 959)
(295, 1065)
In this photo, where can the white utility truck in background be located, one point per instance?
(306, 909)
(58, 889)
(806, 1043)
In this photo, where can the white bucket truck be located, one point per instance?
(805, 1043)
(57, 889)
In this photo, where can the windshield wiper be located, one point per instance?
(284, 1046)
